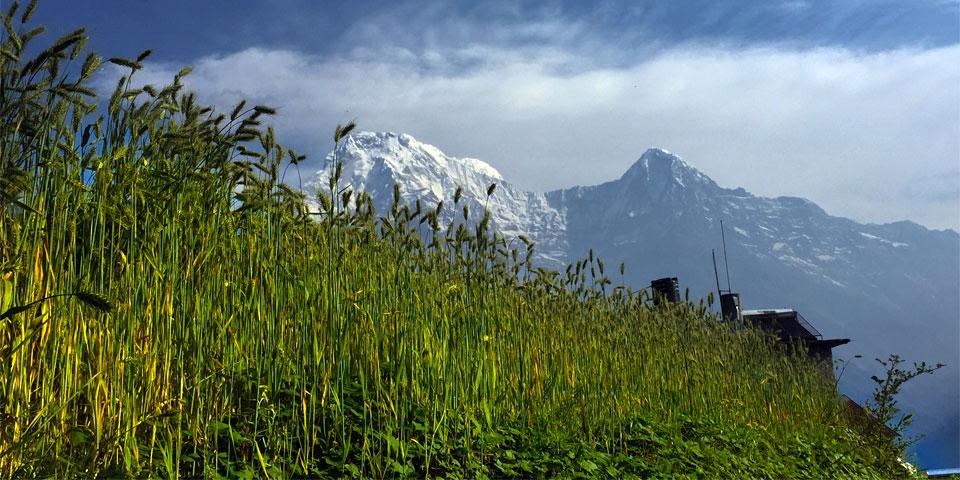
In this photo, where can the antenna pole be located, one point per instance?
(713, 253)
(726, 265)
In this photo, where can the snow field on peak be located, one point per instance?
(374, 162)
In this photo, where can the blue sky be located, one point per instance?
(853, 104)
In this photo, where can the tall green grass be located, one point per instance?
(250, 336)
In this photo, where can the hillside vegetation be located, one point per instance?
(170, 308)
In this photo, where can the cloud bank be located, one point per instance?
(874, 136)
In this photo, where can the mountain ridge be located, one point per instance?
(890, 287)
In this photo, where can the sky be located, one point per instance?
(853, 104)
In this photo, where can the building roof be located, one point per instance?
(768, 311)
(789, 321)
(943, 472)
(829, 343)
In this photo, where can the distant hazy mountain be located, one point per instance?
(892, 288)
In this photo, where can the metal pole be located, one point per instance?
(726, 265)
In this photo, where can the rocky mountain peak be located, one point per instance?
(374, 162)
(658, 168)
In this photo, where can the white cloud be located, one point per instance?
(865, 135)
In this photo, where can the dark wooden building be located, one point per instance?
(790, 326)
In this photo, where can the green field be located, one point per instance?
(171, 309)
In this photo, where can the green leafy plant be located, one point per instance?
(884, 404)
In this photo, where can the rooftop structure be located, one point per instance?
(943, 473)
(790, 326)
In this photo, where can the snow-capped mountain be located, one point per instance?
(891, 288)
(374, 162)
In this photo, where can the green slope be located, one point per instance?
(248, 338)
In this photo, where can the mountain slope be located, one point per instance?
(374, 162)
(890, 288)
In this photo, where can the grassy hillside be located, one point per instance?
(170, 308)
